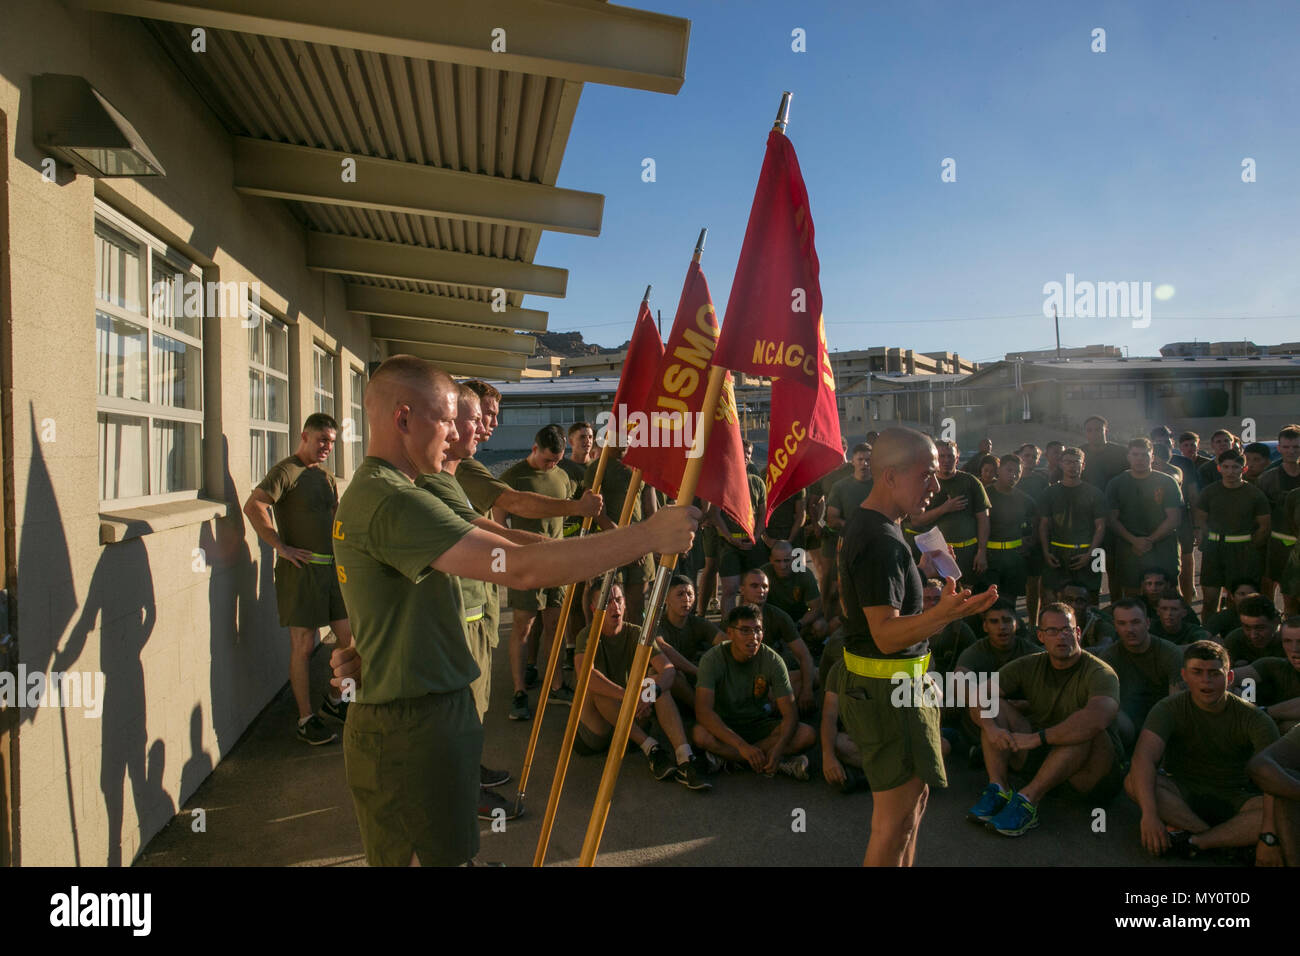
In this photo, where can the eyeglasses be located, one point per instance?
(748, 631)
(1055, 631)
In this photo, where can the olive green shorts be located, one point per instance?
(413, 769)
(308, 596)
(536, 600)
(481, 642)
(896, 743)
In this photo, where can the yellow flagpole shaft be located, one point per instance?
(557, 641)
(583, 680)
(641, 660)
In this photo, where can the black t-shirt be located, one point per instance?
(877, 569)
(1104, 463)
(1012, 515)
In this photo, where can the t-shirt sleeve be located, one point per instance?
(581, 640)
(778, 676)
(1262, 730)
(979, 495)
(1103, 682)
(969, 658)
(1177, 500)
(277, 482)
(458, 506)
(1100, 508)
(1171, 663)
(482, 488)
(710, 670)
(880, 574)
(1011, 678)
(1112, 494)
(1261, 503)
(412, 529)
(1160, 719)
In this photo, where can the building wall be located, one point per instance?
(188, 640)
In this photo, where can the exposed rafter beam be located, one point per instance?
(306, 174)
(461, 361)
(374, 300)
(350, 255)
(439, 333)
(580, 40)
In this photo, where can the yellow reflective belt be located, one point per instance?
(473, 614)
(886, 668)
(1284, 538)
(321, 558)
(1062, 544)
(1005, 545)
(911, 531)
(1228, 538)
(963, 544)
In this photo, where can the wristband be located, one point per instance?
(1042, 737)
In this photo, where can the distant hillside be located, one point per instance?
(570, 345)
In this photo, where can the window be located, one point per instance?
(268, 392)
(1271, 386)
(357, 417)
(149, 306)
(322, 389)
(1101, 390)
(1187, 386)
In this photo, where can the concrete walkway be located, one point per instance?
(277, 802)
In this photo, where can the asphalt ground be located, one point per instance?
(275, 801)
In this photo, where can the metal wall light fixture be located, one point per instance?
(74, 123)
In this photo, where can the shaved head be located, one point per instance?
(904, 465)
(900, 448)
(411, 409)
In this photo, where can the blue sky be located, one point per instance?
(1115, 166)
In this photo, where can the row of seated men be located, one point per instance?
(1136, 697)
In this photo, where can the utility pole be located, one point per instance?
(1057, 321)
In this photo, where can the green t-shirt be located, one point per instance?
(822, 486)
(551, 482)
(692, 639)
(1103, 463)
(1223, 622)
(757, 508)
(1276, 484)
(1052, 694)
(473, 591)
(847, 494)
(1189, 632)
(576, 472)
(779, 631)
(613, 487)
(1240, 649)
(1291, 513)
(792, 593)
(303, 499)
(1144, 678)
(1034, 484)
(1232, 510)
(407, 618)
(482, 488)
(1208, 751)
(741, 690)
(1278, 681)
(1141, 502)
(1012, 516)
(614, 653)
(1072, 513)
(959, 526)
(947, 647)
(983, 658)
(781, 525)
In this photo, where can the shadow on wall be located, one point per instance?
(233, 616)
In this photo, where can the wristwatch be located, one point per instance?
(1268, 839)
(1042, 737)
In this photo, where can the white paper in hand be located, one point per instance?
(932, 543)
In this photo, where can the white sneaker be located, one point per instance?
(796, 767)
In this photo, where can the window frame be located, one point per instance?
(318, 349)
(150, 249)
(265, 425)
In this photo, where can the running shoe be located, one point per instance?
(531, 678)
(691, 774)
(990, 804)
(337, 709)
(520, 709)
(1017, 817)
(796, 767)
(490, 803)
(561, 695)
(661, 763)
(492, 778)
(315, 732)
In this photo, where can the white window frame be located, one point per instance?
(150, 410)
(266, 425)
(318, 393)
(357, 410)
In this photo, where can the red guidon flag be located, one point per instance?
(673, 407)
(774, 327)
(639, 366)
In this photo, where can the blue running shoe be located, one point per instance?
(991, 802)
(1016, 818)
